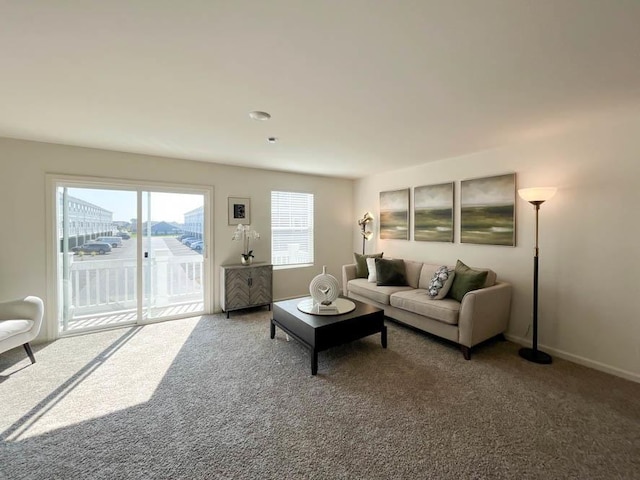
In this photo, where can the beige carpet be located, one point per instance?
(217, 398)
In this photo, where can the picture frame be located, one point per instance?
(488, 210)
(394, 214)
(239, 211)
(433, 213)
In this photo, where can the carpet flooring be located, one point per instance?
(216, 398)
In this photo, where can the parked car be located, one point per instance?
(113, 241)
(123, 235)
(188, 241)
(197, 245)
(93, 247)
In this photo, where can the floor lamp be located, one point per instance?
(366, 235)
(536, 196)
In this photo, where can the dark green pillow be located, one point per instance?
(465, 280)
(361, 264)
(390, 273)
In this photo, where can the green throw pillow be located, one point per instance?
(390, 272)
(465, 280)
(361, 264)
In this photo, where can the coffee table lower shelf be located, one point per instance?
(321, 332)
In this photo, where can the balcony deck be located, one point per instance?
(129, 317)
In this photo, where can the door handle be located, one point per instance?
(146, 254)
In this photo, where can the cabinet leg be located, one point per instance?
(273, 330)
(314, 362)
(383, 336)
(227, 313)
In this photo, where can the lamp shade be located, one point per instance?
(537, 194)
(366, 219)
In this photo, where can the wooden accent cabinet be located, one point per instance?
(245, 286)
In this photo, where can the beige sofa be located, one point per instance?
(482, 314)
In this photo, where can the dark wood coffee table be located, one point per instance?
(321, 332)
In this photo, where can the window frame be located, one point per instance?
(310, 229)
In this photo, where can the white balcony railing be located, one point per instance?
(101, 285)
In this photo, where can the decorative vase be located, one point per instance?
(246, 260)
(324, 288)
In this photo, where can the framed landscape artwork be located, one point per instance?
(394, 214)
(487, 210)
(433, 213)
(239, 211)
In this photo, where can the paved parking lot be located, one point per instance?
(128, 248)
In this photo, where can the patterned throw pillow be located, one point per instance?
(440, 283)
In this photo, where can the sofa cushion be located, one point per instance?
(466, 279)
(391, 272)
(360, 286)
(426, 274)
(491, 277)
(413, 270)
(361, 263)
(418, 301)
(441, 283)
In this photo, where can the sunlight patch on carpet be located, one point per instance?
(110, 382)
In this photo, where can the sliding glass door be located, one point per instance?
(173, 254)
(128, 255)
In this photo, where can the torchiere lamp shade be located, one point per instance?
(537, 194)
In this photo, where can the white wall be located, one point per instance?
(589, 232)
(23, 166)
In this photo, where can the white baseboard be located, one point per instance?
(634, 377)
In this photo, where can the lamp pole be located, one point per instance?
(536, 196)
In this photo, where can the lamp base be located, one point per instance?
(535, 356)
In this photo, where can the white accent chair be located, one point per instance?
(20, 322)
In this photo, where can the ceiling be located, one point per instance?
(354, 87)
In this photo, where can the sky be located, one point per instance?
(167, 207)
(394, 200)
(434, 196)
(499, 190)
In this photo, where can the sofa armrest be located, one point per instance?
(484, 313)
(348, 273)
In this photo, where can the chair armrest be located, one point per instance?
(348, 273)
(28, 308)
(484, 313)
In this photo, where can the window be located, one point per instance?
(291, 228)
